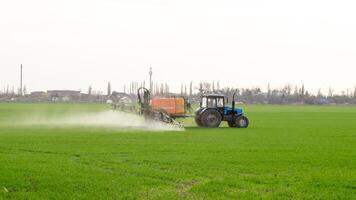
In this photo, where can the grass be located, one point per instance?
(288, 152)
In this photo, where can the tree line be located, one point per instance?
(288, 94)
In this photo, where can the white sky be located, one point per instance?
(71, 44)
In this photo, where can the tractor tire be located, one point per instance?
(198, 121)
(211, 118)
(241, 122)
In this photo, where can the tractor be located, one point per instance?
(212, 111)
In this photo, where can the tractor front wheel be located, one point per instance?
(211, 118)
(240, 122)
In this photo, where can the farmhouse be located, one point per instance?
(63, 95)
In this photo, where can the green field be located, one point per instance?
(288, 152)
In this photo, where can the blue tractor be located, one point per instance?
(212, 111)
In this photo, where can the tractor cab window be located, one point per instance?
(211, 103)
(203, 102)
(220, 102)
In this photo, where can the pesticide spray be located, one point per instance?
(102, 119)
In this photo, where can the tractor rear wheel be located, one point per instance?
(198, 120)
(211, 118)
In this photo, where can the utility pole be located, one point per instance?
(150, 72)
(20, 93)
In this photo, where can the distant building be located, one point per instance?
(63, 95)
(37, 96)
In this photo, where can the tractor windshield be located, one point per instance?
(203, 102)
(220, 102)
(211, 103)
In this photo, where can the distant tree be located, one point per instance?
(191, 88)
(157, 88)
(167, 89)
(185, 89)
(319, 94)
(306, 94)
(288, 90)
(302, 91)
(237, 91)
(200, 89)
(330, 92)
(355, 92)
(206, 87)
(109, 89)
(181, 89)
(24, 90)
(90, 90)
(218, 85)
(296, 93)
(19, 91)
(269, 91)
(213, 86)
(161, 89)
(343, 93)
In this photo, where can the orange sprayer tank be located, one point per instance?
(173, 106)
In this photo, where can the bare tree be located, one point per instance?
(90, 90)
(302, 92)
(109, 89)
(167, 89)
(288, 90)
(161, 89)
(24, 90)
(269, 91)
(191, 88)
(206, 87)
(319, 94)
(157, 88)
(200, 89)
(181, 89)
(330, 92)
(296, 93)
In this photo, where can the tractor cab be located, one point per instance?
(212, 111)
(219, 102)
(213, 101)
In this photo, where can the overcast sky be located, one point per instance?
(71, 44)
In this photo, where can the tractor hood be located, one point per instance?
(238, 111)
